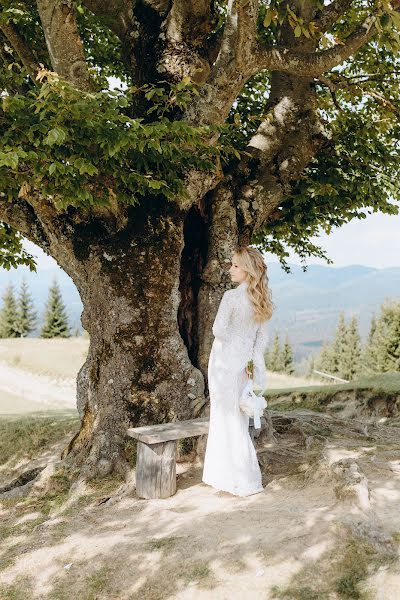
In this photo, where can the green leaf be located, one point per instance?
(55, 136)
(9, 159)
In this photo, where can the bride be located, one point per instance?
(240, 335)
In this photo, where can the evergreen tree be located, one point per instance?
(369, 360)
(326, 360)
(387, 338)
(267, 358)
(55, 317)
(287, 357)
(8, 314)
(339, 348)
(351, 357)
(311, 366)
(275, 359)
(26, 314)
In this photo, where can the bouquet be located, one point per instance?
(250, 403)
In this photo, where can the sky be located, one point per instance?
(372, 242)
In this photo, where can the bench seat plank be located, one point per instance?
(164, 432)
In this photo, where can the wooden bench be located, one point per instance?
(156, 454)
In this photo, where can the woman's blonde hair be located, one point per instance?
(251, 260)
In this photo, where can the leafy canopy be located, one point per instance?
(83, 149)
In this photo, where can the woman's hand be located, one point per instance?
(249, 368)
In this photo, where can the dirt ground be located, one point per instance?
(326, 527)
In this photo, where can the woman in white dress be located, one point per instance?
(240, 335)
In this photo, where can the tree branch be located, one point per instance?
(64, 43)
(21, 48)
(117, 14)
(229, 72)
(279, 151)
(20, 215)
(311, 65)
(184, 30)
(332, 13)
(232, 67)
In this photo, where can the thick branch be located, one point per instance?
(184, 31)
(232, 67)
(189, 21)
(280, 150)
(229, 73)
(21, 216)
(64, 43)
(117, 15)
(311, 65)
(21, 48)
(332, 13)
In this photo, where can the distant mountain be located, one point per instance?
(307, 303)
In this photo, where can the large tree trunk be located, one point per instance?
(139, 288)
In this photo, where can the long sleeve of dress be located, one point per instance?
(220, 326)
(260, 346)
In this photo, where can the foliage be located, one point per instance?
(287, 357)
(26, 314)
(346, 358)
(12, 253)
(280, 359)
(82, 149)
(8, 314)
(386, 338)
(357, 173)
(55, 317)
(88, 149)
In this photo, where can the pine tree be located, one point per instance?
(267, 358)
(326, 360)
(8, 314)
(387, 338)
(311, 366)
(351, 357)
(287, 357)
(275, 359)
(339, 347)
(55, 317)
(369, 359)
(26, 314)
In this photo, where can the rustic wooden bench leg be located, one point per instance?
(156, 469)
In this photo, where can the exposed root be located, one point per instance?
(27, 477)
(352, 483)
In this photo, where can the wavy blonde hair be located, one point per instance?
(251, 260)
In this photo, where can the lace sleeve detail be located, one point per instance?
(260, 346)
(220, 326)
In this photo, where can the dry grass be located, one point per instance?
(55, 357)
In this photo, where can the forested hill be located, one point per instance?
(308, 303)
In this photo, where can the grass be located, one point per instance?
(46, 356)
(28, 435)
(339, 573)
(319, 397)
(385, 382)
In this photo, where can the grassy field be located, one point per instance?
(56, 357)
(25, 436)
(378, 395)
(385, 382)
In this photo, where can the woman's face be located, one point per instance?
(236, 272)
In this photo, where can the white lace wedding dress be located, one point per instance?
(230, 461)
